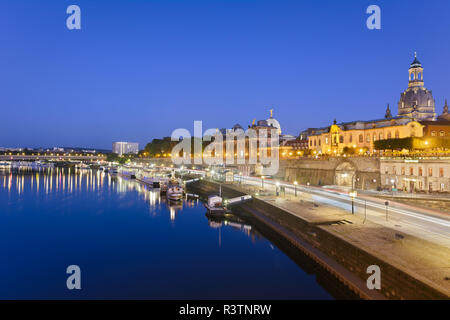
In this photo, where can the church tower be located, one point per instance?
(416, 101)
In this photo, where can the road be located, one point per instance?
(421, 223)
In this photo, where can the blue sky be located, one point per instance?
(139, 69)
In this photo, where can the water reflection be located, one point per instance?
(57, 181)
(55, 216)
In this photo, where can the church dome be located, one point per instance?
(237, 126)
(416, 101)
(274, 123)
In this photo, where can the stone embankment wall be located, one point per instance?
(396, 284)
(323, 171)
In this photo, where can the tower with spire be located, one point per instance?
(445, 113)
(388, 114)
(416, 101)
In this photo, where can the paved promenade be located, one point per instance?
(425, 256)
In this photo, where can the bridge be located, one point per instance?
(54, 157)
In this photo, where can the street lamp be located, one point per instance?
(353, 195)
(295, 188)
(393, 187)
(277, 184)
(387, 205)
(240, 177)
(262, 182)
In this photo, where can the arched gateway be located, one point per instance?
(345, 174)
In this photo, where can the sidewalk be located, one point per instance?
(425, 260)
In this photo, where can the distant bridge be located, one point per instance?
(69, 157)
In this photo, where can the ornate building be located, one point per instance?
(416, 101)
(416, 116)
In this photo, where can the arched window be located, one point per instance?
(389, 136)
(368, 138)
(419, 76)
(361, 138)
(433, 133)
(381, 136)
(412, 76)
(374, 137)
(351, 138)
(341, 139)
(397, 134)
(441, 133)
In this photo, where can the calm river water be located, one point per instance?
(131, 244)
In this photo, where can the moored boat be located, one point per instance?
(5, 165)
(174, 193)
(163, 188)
(215, 206)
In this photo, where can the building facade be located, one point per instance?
(361, 135)
(416, 175)
(125, 147)
(416, 118)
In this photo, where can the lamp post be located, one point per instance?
(240, 177)
(387, 205)
(353, 195)
(295, 188)
(277, 188)
(262, 182)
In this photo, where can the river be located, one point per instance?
(130, 243)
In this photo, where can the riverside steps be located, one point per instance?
(344, 246)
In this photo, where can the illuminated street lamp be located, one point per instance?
(295, 188)
(262, 182)
(277, 184)
(353, 195)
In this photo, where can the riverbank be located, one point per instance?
(411, 268)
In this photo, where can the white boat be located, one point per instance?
(5, 165)
(82, 166)
(174, 193)
(215, 206)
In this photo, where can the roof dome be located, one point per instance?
(237, 126)
(274, 123)
(416, 63)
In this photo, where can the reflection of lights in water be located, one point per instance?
(9, 182)
(172, 213)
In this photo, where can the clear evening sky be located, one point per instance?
(139, 69)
